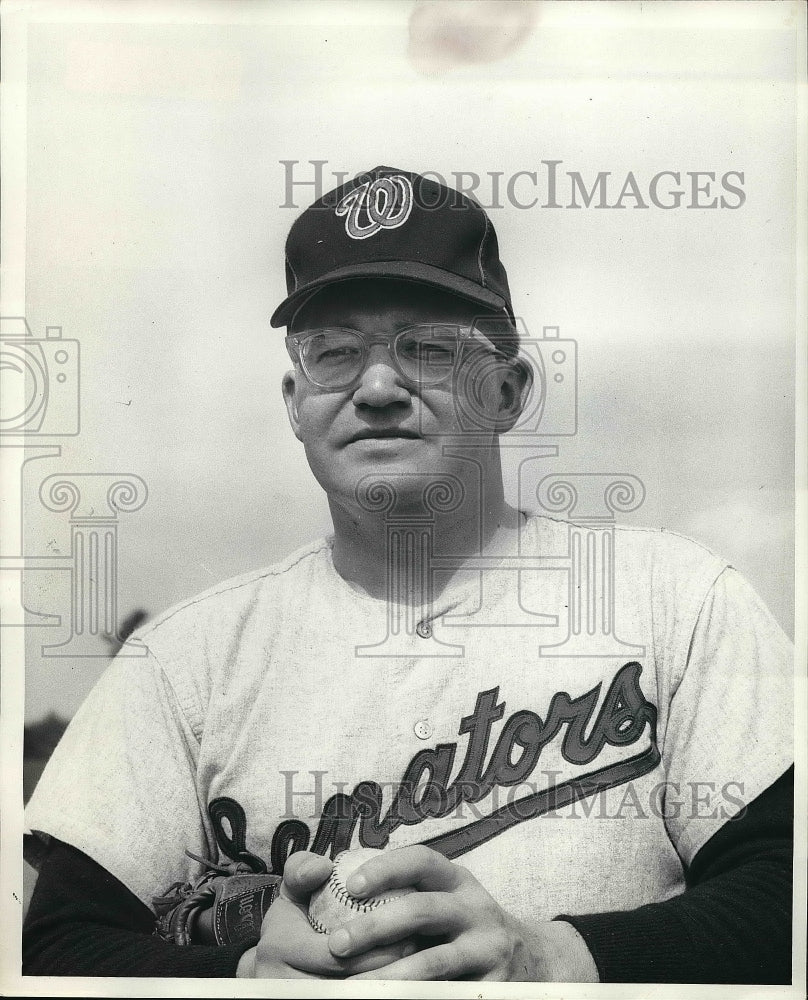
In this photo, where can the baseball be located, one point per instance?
(332, 905)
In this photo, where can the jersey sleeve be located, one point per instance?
(121, 784)
(730, 728)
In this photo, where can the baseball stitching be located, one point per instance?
(341, 894)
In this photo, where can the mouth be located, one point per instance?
(383, 434)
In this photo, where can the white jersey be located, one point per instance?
(572, 768)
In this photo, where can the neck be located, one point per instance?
(361, 539)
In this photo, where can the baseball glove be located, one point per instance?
(224, 905)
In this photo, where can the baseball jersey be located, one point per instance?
(573, 753)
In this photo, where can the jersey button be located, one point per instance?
(423, 729)
(424, 629)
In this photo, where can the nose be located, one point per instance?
(381, 385)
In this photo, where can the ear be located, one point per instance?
(291, 393)
(514, 392)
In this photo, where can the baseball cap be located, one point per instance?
(392, 223)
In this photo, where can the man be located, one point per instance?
(620, 814)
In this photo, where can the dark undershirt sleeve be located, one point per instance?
(84, 922)
(733, 922)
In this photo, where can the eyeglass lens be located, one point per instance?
(336, 357)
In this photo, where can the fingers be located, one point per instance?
(445, 962)
(377, 958)
(303, 873)
(378, 943)
(416, 866)
(423, 913)
(287, 937)
(291, 948)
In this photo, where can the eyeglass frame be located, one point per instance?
(464, 335)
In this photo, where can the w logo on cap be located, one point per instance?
(384, 203)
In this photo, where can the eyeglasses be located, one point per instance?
(426, 354)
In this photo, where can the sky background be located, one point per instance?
(155, 224)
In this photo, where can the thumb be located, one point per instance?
(302, 874)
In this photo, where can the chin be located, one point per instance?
(401, 484)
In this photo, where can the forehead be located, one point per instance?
(354, 303)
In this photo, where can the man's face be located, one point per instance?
(385, 422)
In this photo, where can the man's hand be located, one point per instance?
(289, 947)
(472, 936)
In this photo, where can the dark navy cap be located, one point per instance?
(392, 223)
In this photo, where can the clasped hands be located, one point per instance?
(462, 933)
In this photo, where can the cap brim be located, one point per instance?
(405, 270)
